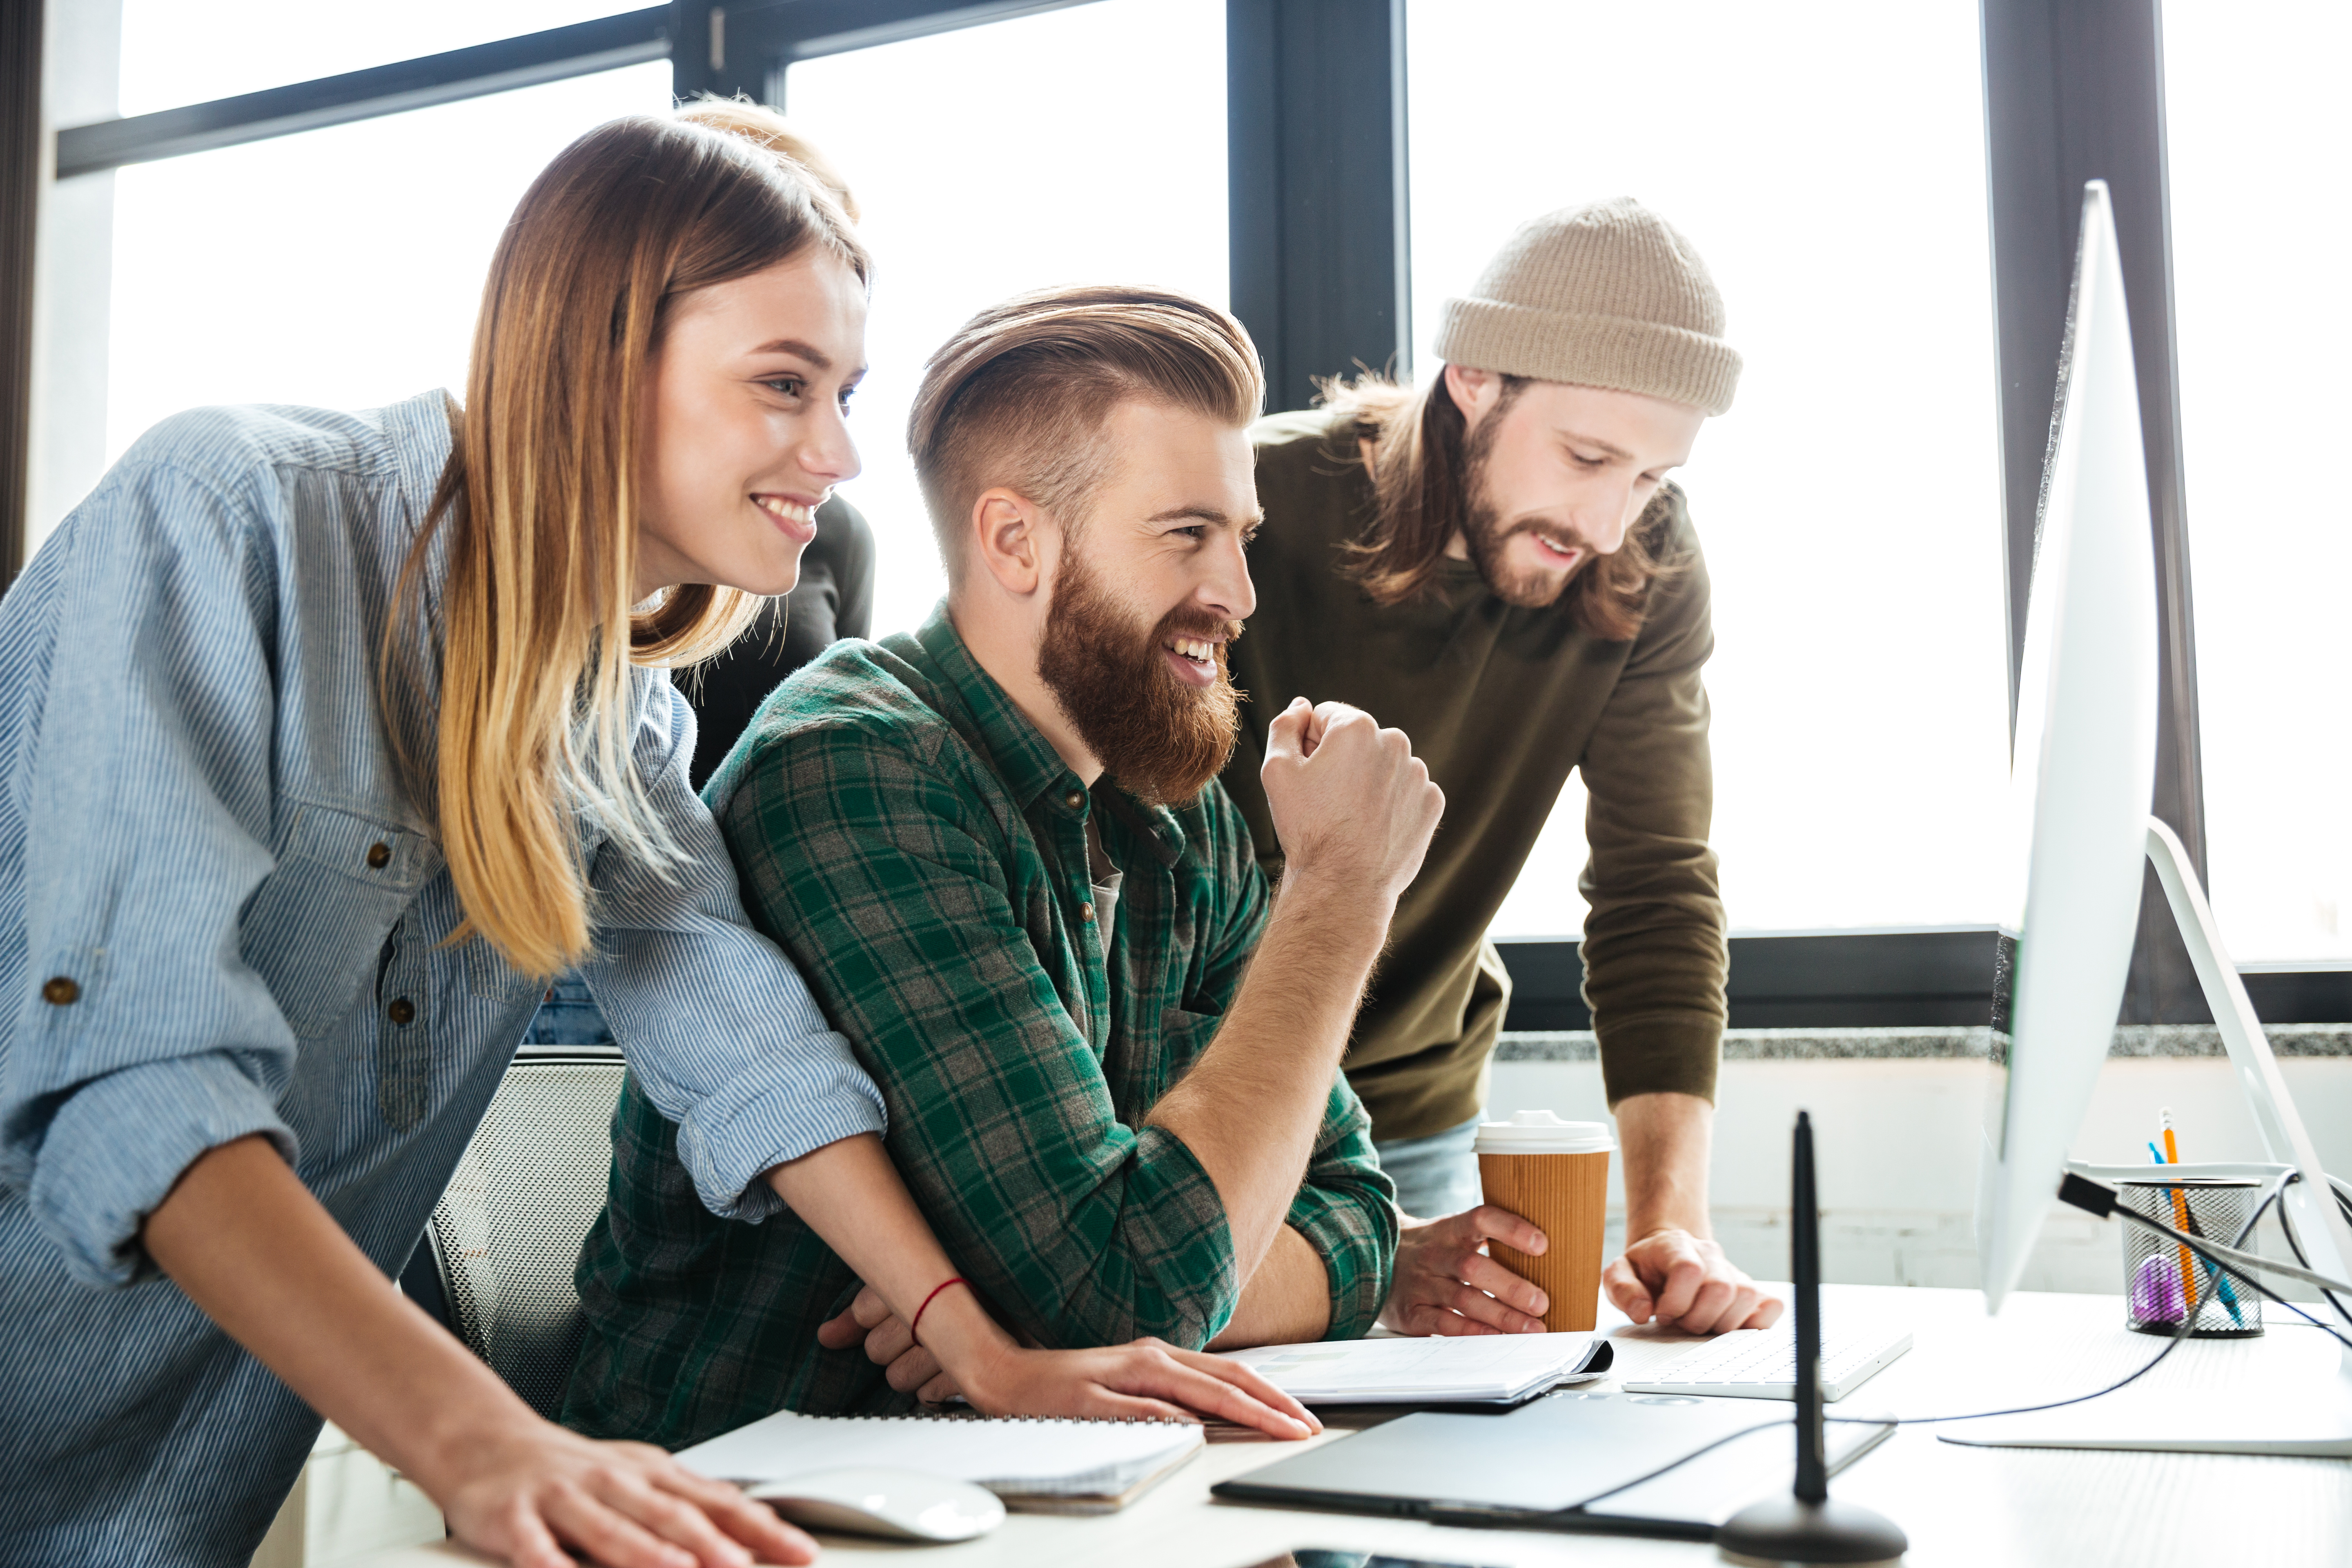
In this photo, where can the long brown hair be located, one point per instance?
(538, 497)
(1422, 463)
(764, 127)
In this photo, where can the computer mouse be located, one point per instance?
(870, 1499)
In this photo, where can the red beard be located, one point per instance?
(1158, 739)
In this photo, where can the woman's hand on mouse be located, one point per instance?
(1149, 1378)
(528, 1493)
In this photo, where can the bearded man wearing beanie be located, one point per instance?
(1498, 565)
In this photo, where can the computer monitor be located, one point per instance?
(2083, 776)
(2083, 768)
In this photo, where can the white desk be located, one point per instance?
(1970, 1508)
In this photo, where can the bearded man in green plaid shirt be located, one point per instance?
(998, 850)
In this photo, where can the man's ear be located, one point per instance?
(1008, 539)
(1473, 392)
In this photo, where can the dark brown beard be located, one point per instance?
(1158, 739)
(1484, 535)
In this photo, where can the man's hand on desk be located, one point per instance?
(1446, 1285)
(1685, 1282)
(1150, 1378)
(1671, 1272)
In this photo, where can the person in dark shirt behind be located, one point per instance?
(834, 599)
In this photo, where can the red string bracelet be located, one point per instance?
(926, 1307)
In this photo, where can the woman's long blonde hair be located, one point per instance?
(537, 628)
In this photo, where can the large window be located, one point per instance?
(1083, 145)
(1832, 175)
(340, 269)
(2257, 126)
(1829, 160)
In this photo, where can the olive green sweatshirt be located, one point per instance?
(1500, 703)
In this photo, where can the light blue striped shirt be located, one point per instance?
(219, 915)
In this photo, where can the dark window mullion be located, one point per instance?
(748, 49)
(2074, 91)
(1314, 143)
(20, 183)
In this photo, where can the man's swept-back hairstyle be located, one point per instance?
(537, 625)
(1421, 477)
(1020, 395)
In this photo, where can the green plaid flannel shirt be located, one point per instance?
(919, 850)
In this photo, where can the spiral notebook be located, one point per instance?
(1039, 1465)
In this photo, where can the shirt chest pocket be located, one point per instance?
(315, 928)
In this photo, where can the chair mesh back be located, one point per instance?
(506, 1234)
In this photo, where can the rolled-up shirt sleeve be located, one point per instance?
(717, 1025)
(1345, 1208)
(141, 1038)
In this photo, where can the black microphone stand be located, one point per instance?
(1806, 1526)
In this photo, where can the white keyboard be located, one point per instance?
(1762, 1363)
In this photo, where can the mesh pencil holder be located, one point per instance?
(2163, 1280)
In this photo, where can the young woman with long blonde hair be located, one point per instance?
(325, 739)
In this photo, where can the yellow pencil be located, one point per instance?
(2180, 1216)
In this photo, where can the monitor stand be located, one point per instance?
(1808, 1525)
(2291, 1411)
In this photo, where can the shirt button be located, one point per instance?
(1075, 799)
(61, 991)
(379, 855)
(402, 1011)
(1086, 913)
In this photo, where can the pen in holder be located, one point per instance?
(2164, 1282)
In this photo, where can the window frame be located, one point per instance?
(22, 176)
(1317, 109)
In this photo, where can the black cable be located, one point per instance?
(2179, 1335)
(2294, 1243)
(2247, 1278)
(2286, 1229)
(2187, 1322)
(2244, 1277)
(2233, 1257)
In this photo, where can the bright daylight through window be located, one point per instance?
(340, 269)
(1090, 148)
(176, 52)
(2256, 126)
(1832, 175)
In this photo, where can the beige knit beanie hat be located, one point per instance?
(1605, 295)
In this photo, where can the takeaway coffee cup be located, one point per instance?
(1555, 1174)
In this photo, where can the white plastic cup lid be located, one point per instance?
(1542, 1133)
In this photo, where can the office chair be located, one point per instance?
(496, 1263)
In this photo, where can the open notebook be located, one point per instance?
(1037, 1466)
(1482, 1369)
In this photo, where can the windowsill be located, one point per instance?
(1933, 1044)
